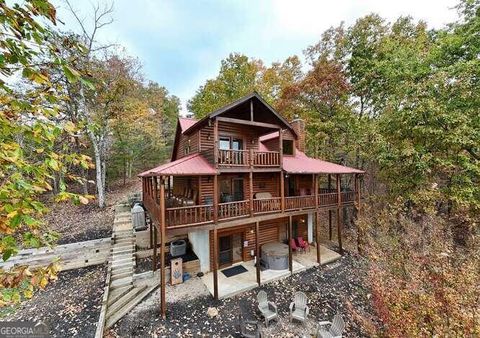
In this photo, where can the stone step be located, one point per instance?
(121, 256)
(112, 317)
(115, 294)
(123, 240)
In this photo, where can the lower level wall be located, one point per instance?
(200, 245)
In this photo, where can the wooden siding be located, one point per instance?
(183, 142)
(206, 138)
(267, 182)
(270, 231)
(247, 133)
(206, 189)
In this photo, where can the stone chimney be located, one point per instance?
(299, 126)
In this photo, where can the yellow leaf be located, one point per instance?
(83, 200)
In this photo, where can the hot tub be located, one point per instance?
(275, 256)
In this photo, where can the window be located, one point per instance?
(227, 143)
(287, 146)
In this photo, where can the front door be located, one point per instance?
(225, 254)
(237, 189)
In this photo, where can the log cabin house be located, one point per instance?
(239, 179)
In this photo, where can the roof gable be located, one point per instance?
(240, 109)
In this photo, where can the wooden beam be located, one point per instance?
(317, 236)
(150, 225)
(215, 199)
(248, 123)
(330, 211)
(215, 263)
(339, 223)
(251, 110)
(154, 268)
(290, 258)
(162, 248)
(257, 250)
(215, 143)
(317, 228)
(280, 146)
(250, 187)
(155, 189)
(282, 191)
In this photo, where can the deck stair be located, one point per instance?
(123, 293)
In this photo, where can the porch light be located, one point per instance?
(209, 136)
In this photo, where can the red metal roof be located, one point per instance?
(186, 123)
(194, 164)
(302, 164)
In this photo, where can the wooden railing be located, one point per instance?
(347, 196)
(203, 214)
(299, 202)
(244, 158)
(327, 199)
(266, 158)
(233, 209)
(192, 215)
(266, 205)
(233, 157)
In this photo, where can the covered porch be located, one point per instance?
(231, 286)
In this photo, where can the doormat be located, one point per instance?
(234, 270)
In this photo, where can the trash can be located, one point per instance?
(138, 217)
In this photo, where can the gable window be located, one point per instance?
(287, 146)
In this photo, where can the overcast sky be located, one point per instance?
(181, 43)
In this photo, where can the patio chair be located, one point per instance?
(294, 246)
(268, 309)
(244, 330)
(303, 244)
(299, 308)
(337, 325)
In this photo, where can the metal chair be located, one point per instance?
(337, 325)
(268, 309)
(299, 308)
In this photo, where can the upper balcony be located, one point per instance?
(229, 158)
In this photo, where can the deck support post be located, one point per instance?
(155, 189)
(215, 263)
(282, 191)
(339, 222)
(290, 258)
(257, 250)
(215, 199)
(330, 211)
(317, 232)
(162, 248)
(150, 226)
(317, 237)
(154, 261)
(250, 188)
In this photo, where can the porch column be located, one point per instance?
(317, 231)
(250, 187)
(310, 227)
(155, 189)
(280, 147)
(257, 250)
(339, 223)
(215, 262)
(282, 191)
(150, 225)
(162, 247)
(154, 268)
(215, 199)
(290, 260)
(330, 211)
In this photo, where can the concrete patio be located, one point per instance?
(231, 286)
